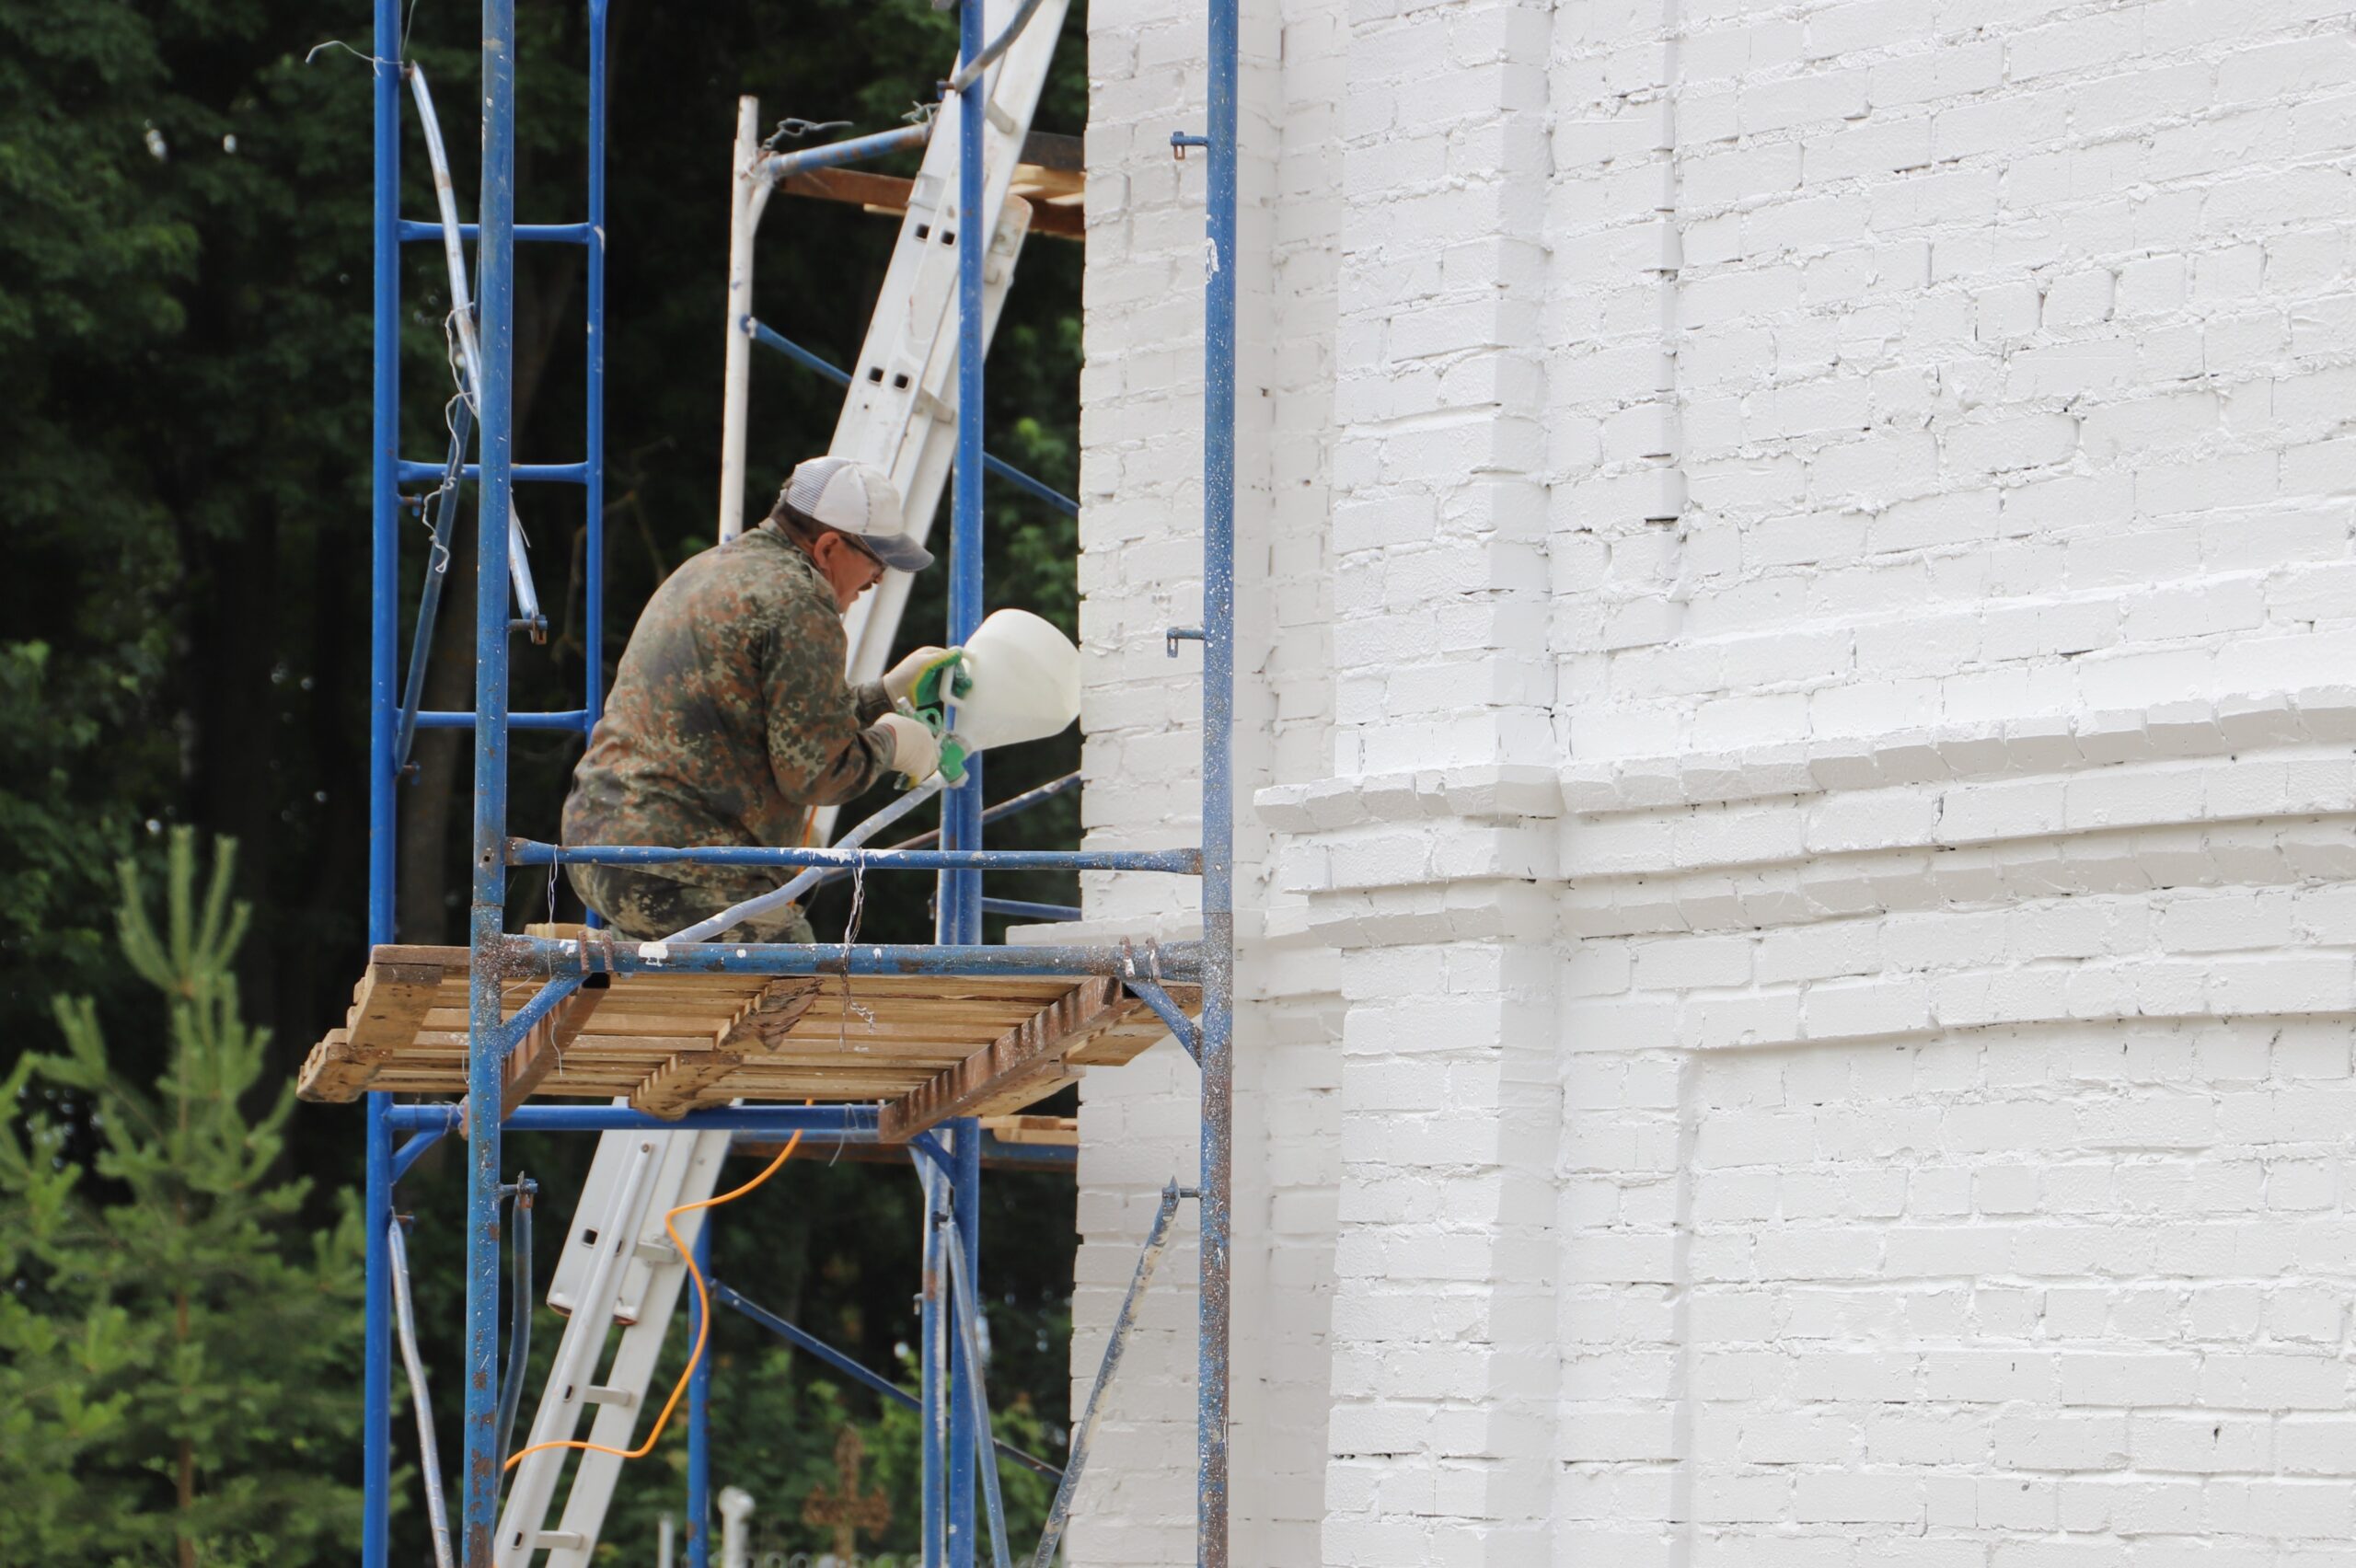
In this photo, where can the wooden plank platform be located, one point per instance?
(925, 1046)
(1055, 195)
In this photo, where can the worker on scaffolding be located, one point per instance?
(730, 716)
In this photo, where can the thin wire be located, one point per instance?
(795, 128)
(440, 560)
(703, 1318)
(338, 44)
(850, 935)
(452, 353)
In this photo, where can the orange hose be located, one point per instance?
(703, 1320)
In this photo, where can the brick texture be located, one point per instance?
(1796, 958)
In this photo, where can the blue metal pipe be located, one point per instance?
(384, 590)
(973, 1388)
(849, 1123)
(1021, 908)
(1061, 1159)
(414, 232)
(1189, 1033)
(441, 719)
(801, 1340)
(932, 1358)
(544, 1001)
(437, 573)
(699, 1419)
(783, 895)
(552, 955)
(412, 1149)
(487, 912)
(1181, 862)
(959, 917)
(414, 473)
(821, 1126)
(384, 560)
(770, 338)
(780, 166)
(1157, 1241)
(1023, 481)
(962, 1272)
(376, 1347)
(1217, 1180)
(593, 555)
(725, 1296)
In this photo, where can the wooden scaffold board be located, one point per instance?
(925, 1047)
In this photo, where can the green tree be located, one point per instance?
(177, 1351)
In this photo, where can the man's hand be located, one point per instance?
(916, 751)
(900, 680)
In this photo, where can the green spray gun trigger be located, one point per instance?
(931, 703)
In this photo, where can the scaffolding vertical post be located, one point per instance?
(932, 1548)
(699, 1418)
(960, 917)
(384, 587)
(1219, 835)
(376, 1400)
(965, 1235)
(593, 564)
(487, 911)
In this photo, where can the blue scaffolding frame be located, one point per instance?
(951, 1536)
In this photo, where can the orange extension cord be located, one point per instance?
(703, 1320)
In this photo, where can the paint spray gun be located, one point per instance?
(1017, 678)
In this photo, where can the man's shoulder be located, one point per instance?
(758, 573)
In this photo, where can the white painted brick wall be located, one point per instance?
(1796, 946)
(2061, 1293)
(1140, 572)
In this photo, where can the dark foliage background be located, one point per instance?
(184, 411)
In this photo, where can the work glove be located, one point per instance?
(900, 680)
(916, 751)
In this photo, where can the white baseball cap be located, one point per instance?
(859, 499)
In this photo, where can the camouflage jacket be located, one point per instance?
(729, 715)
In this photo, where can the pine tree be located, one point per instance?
(180, 1352)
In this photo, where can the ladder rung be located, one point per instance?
(560, 1540)
(601, 1394)
(658, 1250)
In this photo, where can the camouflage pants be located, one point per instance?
(644, 904)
